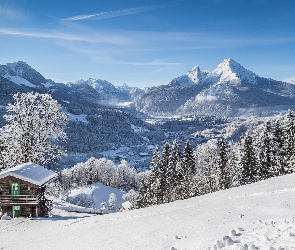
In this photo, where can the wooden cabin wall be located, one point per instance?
(26, 188)
(27, 210)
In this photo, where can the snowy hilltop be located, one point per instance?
(256, 216)
(228, 90)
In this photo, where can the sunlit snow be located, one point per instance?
(19, 81)
(257, 216)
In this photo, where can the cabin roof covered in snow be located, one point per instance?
(30, 172)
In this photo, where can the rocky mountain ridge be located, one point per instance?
(228, 90)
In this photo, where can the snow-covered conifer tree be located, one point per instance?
(153, 189)
(222, 148)
(249, 170)
(162, 175)
(35, 124)
(279, 150)
(142, 198)
(171, 174)
(206, 167)
(289, 133)
(232, 163)
(265, 148)
(187, 171)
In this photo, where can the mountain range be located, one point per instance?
(95, 126)
(229, 90)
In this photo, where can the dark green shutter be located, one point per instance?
(15, 189)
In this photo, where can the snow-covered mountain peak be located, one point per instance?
(20, 68)
(195, 74)
(22, 74)
(231, 71)
(98, 84)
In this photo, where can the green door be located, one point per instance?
(16, 211)
(15, 189)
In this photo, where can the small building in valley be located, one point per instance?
(22, 190)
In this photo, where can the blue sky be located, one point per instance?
(147, 43)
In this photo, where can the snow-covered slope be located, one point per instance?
(260, 216)
(21, 73)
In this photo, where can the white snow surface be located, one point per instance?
(231, 71)
(47, 84)
(259, 216)
(227, 71)
(19, 81)
(77, 118)
(30, 172)
(100, 194)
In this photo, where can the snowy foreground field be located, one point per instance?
(259, 216)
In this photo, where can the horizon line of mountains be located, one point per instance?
(229, 90)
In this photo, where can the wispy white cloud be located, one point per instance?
(155, 62)
(93, 38)
(12, 13)
(37, 34)
(114, 55)
(116, 13)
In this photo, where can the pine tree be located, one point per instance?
(265, 155)
(222, 147)
(187, 172)
(250, 172)
(232, 163)
(143, 197)
(289, 141)
(162, 175)
(153, 179)
(188, 159)
(279, 150)
(171, 173)
(206, 166)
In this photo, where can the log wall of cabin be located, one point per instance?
(26, 188)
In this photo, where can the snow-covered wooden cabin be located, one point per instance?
(20, 189)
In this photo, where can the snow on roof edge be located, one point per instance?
(30, 172)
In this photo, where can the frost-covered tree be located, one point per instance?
(131, 196)
(249, 170)
(207, 168)
(162, 174)
(222, 161)
(171, 173)
(232, 163)
(112, 202)
(35, 126)
(188, 159)
(186, 171)
(143, 199)
(126, 176)
(265, 151)
(279, 150)
(289, 133)
(153, 184)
